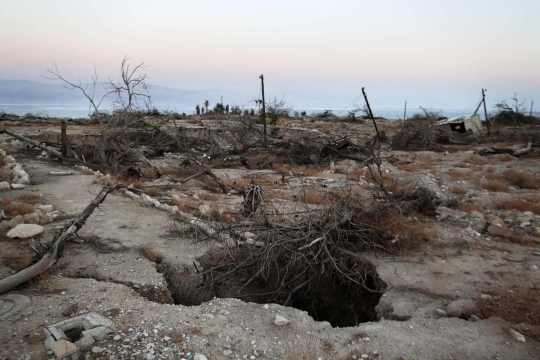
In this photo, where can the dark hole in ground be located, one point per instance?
(327, 299)
(74, 334)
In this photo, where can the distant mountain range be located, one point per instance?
(19, 92)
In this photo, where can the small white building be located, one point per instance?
(463, 124)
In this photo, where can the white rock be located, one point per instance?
(117, 337)
(9, 159)
(4, 185)
(24, 231)
(63, 348)
(195, 197)
(21, 177)
(85, 341)
(525, 224)
(97, 350)
(281, 321)
(45, 208)
(18, 186)
(199, 357)
(227, 352)
(517, 335)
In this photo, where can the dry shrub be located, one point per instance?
(523, 179)
(14, 208)
(356, 174)
(520, 205)
(153, 191)
(467, 207)
(150, 174)
(403, 234)
(313, 197)
(496, 186)
(461, 175)
(33, 181)
(138, 184)
(187, 204)
(462, 165)
(503, 157)
(491, 170)
(241, 182)
(515, 302)
(305, 347)
(460, 190)
(29, 198)
(16, 259)
(150, 252)
(176, 336)
(5, 173)
(299, 170)
(196, 329)
(412, 167)
(480, 160)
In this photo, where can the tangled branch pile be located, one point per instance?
(317, 263)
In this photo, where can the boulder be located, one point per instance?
(18, 186)
(25, 231)
(536, 231)
(63, 348)
(4, 185)
(85, 341)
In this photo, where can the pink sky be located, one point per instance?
(436, 53)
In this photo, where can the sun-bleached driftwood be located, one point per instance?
(510, 150)
(56, 247)
(53, 152)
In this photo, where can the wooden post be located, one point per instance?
(530, 112)
(484, 101)
(63, 125)
(371, 114)
(405, 111)
(263, 104)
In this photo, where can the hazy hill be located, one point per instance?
(53, 93)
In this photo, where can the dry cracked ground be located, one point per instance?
(470, 290)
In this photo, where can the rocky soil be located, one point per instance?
(480, 246)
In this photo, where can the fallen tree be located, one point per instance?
(54, 250)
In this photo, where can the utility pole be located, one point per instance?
(484, 101)
(530, 112)
(371, 114)
(63, 128)
(405, 111)
(264, 105)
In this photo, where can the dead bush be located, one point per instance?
(412, 167)
(153, 191)
(459, 190)
(313, 197)
(520, 205)
(462, 165)
(186, 288)
(87, 171)
(522, 179)
(480, 160)
(151, 253)
(496, 186)
(14, 208)
(29, 198)
(5, 174)
(517, 303)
